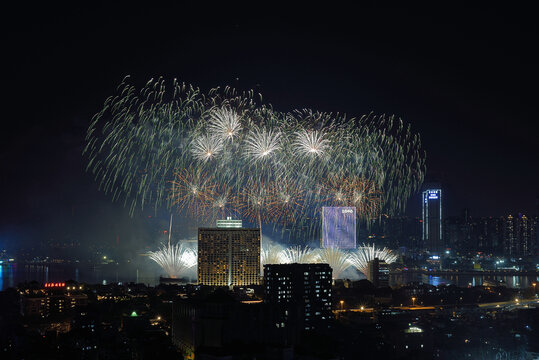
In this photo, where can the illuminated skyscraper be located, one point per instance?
(432, 220)
(228, 256)
(519, 235)
(338, 227)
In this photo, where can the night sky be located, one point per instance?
(466, 81)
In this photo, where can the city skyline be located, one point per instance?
(229, 181)
(481, 148)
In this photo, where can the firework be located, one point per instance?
(360, 259)
(206, 147)
(286, 201)
(270, 254)
(261, 144)
(311, 143)
(297, 254)
(225, 124)
(336, 258)
(354, 191)
(192, 189)
(210, 154)
(174, 259)
(223, 203)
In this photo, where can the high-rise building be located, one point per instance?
(519, 235)
(432, 220)
(301, 293)
(228, 256)
(378, 272)
(489, 238)
(338, 227)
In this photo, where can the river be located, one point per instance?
(13, 274)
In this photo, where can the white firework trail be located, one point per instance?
(261, 144)
(206, 147)
(225, 124)
(360, 259)
(270, 254)
(311, 143)
(174, 259)
(337, 259)
(296, 254)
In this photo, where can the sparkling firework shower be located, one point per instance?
(175, 259)
(360, 259)
(224, 152)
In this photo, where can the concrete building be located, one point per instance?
(300, 296)
(432, 220)
(228, 256)
(338, 227)
(378, 273)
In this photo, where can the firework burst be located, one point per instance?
(225, 124)
(155, 147)
(336, 258)
(311, 143)
(192, 190)
(174, 259)
(261, 144)
(360, 259)
(206, 147)
(286, 201)
(297, 254)
(270, 254)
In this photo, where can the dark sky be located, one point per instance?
(466, 80)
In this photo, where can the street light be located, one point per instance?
(342, 303)
(413, 301)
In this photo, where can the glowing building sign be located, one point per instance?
(229, 223)
(55, 285)
(339, 227)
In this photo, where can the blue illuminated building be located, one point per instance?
(338, 227)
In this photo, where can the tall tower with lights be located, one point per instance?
(432, 219)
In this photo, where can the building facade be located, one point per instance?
(52, 299)
(338, 227)
(300, 295)
(432, 233)
(520, 235)
(378, 273)
(229, 223)
(228, 256)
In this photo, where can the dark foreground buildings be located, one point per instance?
(301, 295)
(378, 273)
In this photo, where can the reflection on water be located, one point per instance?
(464, 280)
(13, 274)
